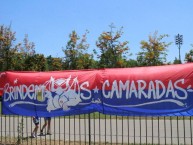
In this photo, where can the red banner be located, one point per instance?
(156, 91)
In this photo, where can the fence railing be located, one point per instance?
(99, 129)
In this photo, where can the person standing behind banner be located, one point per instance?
(36, 121)
(47, 121)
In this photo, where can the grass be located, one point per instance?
(43, 141)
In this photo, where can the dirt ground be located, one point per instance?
(38, 141)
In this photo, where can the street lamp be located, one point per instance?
(179, 42)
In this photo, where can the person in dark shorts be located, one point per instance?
(36, 121)
(47, 122)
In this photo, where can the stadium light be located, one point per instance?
(179, 42)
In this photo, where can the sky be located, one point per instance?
(48, 23)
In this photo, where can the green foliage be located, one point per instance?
(7, 50)
(26, 48)
(112, 51)
(76, 56)
(17, 62)
(36, 62)
(153, 51)
(189, 55)
(132, 63)
(14, 57)
(54, 63)
(176, 61)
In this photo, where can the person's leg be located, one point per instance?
(44, 126)
(49, 123)
(34, 133)
(36, 129)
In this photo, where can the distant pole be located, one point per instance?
(179, 42)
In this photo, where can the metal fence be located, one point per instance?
(99, 129)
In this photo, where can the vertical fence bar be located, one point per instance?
(64, 130)
(184, 130)
(14, 127)
(158, 130)
(191, 129)
(89, 129)
(14, 137)
(85, 128)
(31, 128)
(9, 128)
(22, 128)
(146, 128)
(79, 129)
(165, 129)
(116, 131)
(74, 129)
(1, 127)
(140, 129)
(54, 132)
(152, 130)
(105, 130)
(59, 129)
(171, 129)
(40, 124)
(69, 130)
(5, 130)
(36, 140)
(46, 142)
(18, 131)
(40, 134)
(111, 134)
(178, 131)
(134, 127)
(94, 127)
(26, 121)
(99, 128)
(122, 130)
(14, 134)
(128, 130)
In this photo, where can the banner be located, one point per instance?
(143, 91)
(2, 82)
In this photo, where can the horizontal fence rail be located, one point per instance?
(99, 129)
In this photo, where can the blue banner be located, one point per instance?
(145, 91)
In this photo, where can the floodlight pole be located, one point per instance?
(179, 42)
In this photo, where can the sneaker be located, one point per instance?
(48, 133)
(41, 132)
(33, 135)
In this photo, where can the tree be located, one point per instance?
(132, 63)
(7, 49)
(24, 51)
(27, 48)
(153, 51)
(54, 63)
(189, 55)
(36, 62)
(76, 56)
(112, 51)
(18, 62)
(176, 61)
